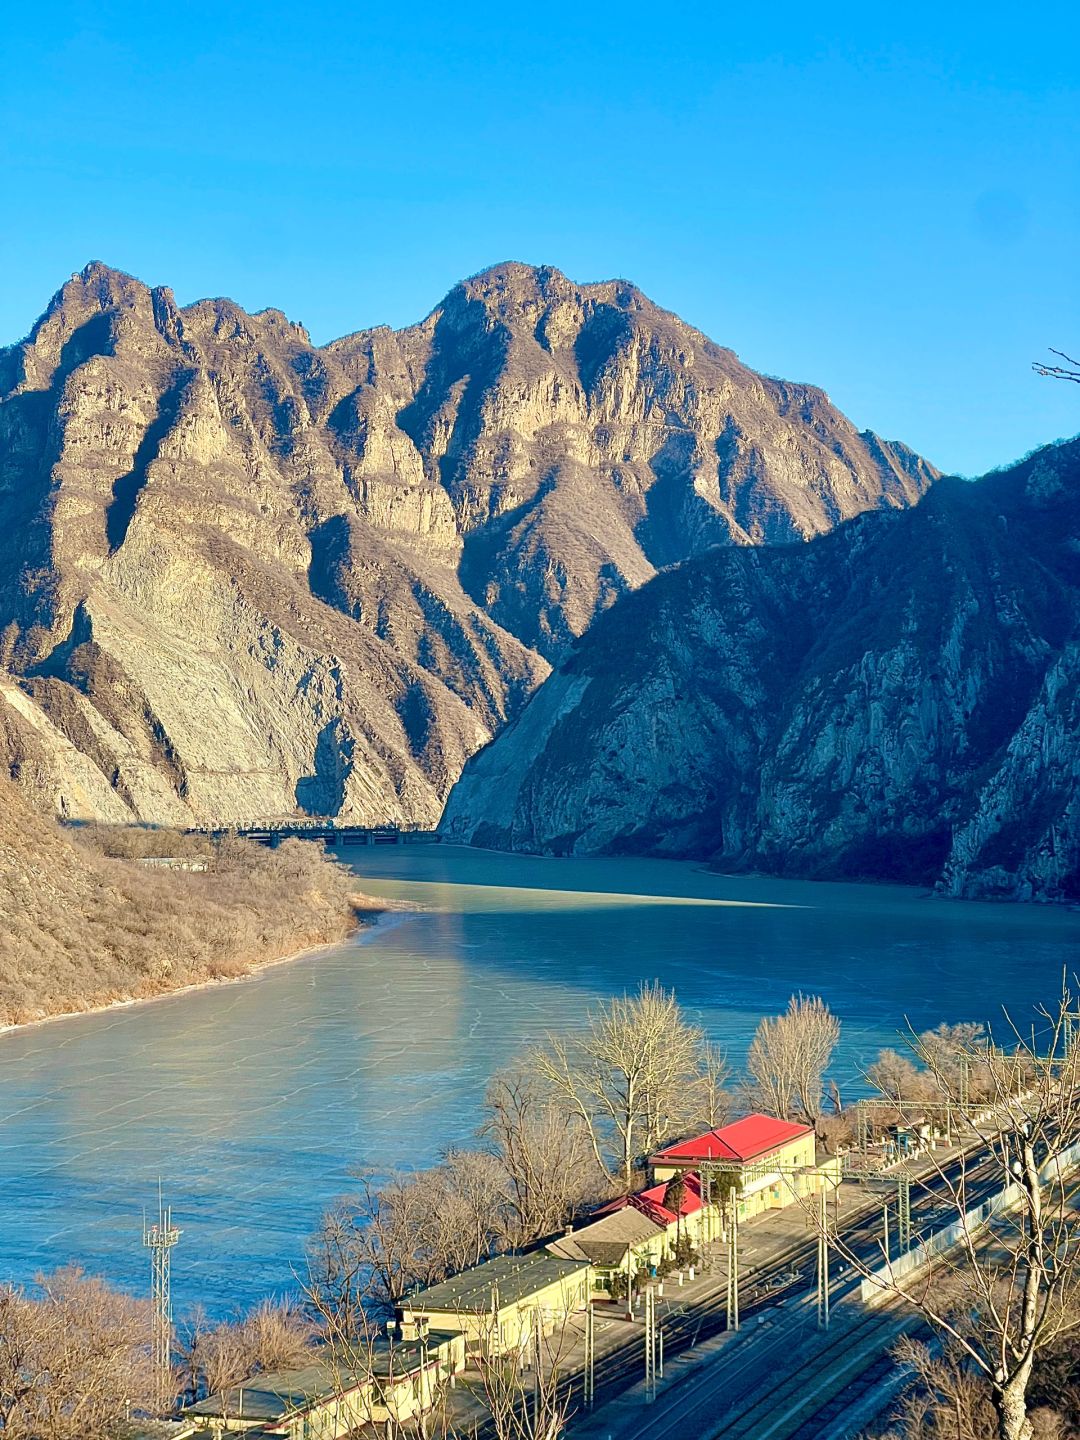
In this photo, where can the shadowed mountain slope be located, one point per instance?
(242, 576)
(896, 700)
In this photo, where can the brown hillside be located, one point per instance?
(243, 576)
(80, 927)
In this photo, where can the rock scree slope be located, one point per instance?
(243, 576)
(899, 699)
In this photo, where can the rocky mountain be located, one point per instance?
(897, 699)
(242, 575)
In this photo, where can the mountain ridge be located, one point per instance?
(896, 700)
(242, 576)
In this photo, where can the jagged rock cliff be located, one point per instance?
(241, 575)
(897, 699)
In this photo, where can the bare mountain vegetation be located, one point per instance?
(243, 576)
(82, 928)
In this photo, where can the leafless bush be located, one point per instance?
(141, 842)
(74, 1361)
(83, 929)
(274, 1335)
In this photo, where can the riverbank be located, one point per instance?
(371, 916)
(257, 1103)
(85, 922)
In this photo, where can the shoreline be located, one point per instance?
(374, 915)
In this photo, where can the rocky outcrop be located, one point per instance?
(897, 700)
(242, 576)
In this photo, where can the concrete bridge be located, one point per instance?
(272, 833)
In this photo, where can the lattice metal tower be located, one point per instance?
(823, 1265)
(159, 1238)
(733, 1267)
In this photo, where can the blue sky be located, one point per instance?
(884, 200)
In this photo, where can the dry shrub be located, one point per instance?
(73, 1360)
(274, 1335)
(81, 927)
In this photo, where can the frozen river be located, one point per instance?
(254, 1100)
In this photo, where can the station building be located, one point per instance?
(619, 1241)
(494, 1305)
(767, 1163)
(327, 1400)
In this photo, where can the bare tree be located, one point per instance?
(950, 1400)
(789, 1055)
(1003, 1295)
(470, 1193)
(74, 1362)
(634, 1077)
(273, 1335)
(550, 1169)
(711, 1097)
(375, 1247)
(525, 1389)
(409, 1232)
(897, 1077)
(1069, 371)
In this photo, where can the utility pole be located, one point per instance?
(903, 1210)
(885, 1222)
(538, 1346)
(159, 1239)
(862, 1114)
(590, 1355)
(1069, 1040)
(426, 1397)
(823, 1265)
(650, 1344)
(733, 1267)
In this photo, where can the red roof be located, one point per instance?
(743, 1140)
(651, 1202)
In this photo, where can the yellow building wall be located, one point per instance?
(512, 1328)
(788, 1187)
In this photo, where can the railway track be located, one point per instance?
(787, 1277)
(781, 1410)
(767, 1288)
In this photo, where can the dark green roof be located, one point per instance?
(509, 1277)
(278, 1393)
